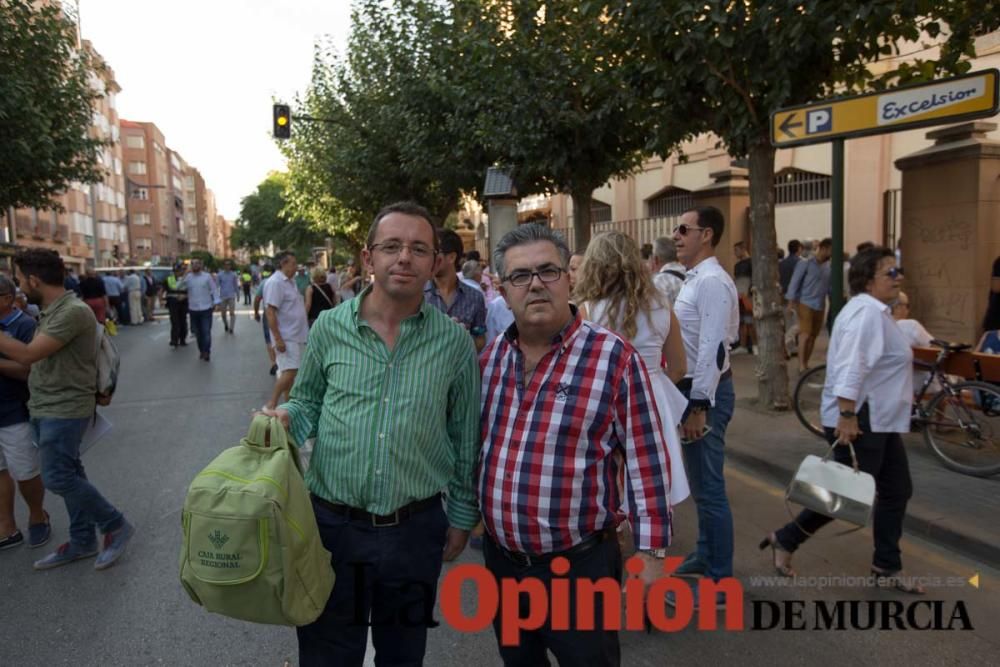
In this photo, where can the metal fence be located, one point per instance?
(796, 187)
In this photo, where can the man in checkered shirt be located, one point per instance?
(566, 406)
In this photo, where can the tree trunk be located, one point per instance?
(772, 368)
(582, 217)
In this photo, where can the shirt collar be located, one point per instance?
(355, 305)
(672, 266)
(704, 265)
(57, 303)
(460, 287)
(562, 338)
(10, 319)
(865, 297)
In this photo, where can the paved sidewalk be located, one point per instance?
(957, 511)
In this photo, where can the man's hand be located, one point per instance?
(693, 427)
(282, 416)
(652, 568)
(279, 345)
(454, 542)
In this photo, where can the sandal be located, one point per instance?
(896, 581)
(781, 558)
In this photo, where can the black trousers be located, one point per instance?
(246, 295)
(386, 578)
(178, 321)
(883, 456)
(579, 648)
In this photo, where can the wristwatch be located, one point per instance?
(848, 414)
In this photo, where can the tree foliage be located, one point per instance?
(549, 95)
(46, 106)
(264, 219)
(389, 129)
(724, 67)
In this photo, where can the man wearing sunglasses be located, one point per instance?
(567, 405)
(708, 314)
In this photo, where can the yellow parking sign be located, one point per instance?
(949, 100)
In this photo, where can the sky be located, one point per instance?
(205, 72)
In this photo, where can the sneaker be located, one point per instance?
(693, 566)
(64, 555)
(115, 543)
(39, 533)
(13, 540)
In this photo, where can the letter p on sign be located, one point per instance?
(819, 120)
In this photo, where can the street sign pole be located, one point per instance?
(837, 223)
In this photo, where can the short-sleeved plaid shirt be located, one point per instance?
(548, 470)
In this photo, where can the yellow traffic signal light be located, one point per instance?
(282, 121)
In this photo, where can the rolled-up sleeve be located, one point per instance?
(861, 344)
(463, 432)
(646, 458)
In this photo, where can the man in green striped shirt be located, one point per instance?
(389, 386)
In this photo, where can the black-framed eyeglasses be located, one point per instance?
(684, 228)
(548, 274)
(393, 248)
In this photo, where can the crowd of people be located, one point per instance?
(556, 404)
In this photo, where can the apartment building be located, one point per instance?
(91, 229)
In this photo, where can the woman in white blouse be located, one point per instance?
(867, 400)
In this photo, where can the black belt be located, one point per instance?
(686, 383)
(527, 560)
(380, 520)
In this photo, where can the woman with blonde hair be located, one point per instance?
(614, 290)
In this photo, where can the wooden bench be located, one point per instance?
(962, 364)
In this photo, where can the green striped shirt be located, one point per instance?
(390, 427)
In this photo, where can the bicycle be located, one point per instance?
(960, 423)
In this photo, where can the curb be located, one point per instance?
(917, 523)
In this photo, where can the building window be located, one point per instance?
(599, 211)
(140, 193)
(669, 203)
(144, 244)
(135, 141)
(137, 168)
(794, 186)
(140, 218)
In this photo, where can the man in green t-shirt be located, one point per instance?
(63, 385)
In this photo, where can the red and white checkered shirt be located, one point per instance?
(548, 470)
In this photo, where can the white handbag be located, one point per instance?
(834, 489)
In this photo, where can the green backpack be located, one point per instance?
(251, 548)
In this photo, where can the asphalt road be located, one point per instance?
(173, 413)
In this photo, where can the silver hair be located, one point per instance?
(523, 235)
(665, 250)
(470, 268)
(7, 285)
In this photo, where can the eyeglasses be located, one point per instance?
(683, 229)
(894, 272)
(393, 248)
(549, 274)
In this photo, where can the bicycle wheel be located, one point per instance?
(962, 428)
(808, 399)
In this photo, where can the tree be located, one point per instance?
(388, 131)
(549, 90)
(46, 106)
(264, 220)
(724, 67)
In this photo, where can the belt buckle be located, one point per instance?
(377, 523)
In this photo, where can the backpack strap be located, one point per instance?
(267, 433)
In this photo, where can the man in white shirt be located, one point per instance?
(708, 315)
(668, 273)
(472, 275)
(133, 288)
(288, 323)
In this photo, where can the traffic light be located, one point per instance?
(282, 121)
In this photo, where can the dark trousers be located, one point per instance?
(570, 647)
(386, 578)
(246, 295)
(178, 321)
(201, 325)
(883, 456)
